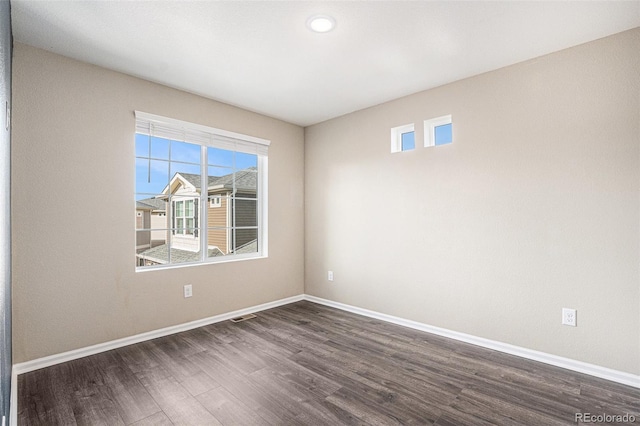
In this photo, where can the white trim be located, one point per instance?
(396, 136)
(13, 398)
(25, 367)
(203, 213)
(188, 241)
(199, 127)
(263, 213)
(218, 202)
(430, 129)
(567, 363)
(558, 361)
(210, 261)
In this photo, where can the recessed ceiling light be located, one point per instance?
(321, 23)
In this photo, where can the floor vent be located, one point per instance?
(243, 318)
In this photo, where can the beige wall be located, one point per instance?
(73, 183)
(535, 206)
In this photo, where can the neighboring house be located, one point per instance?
(226, 210)
(151, 218)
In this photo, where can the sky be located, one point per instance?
(443, 136)
(155, 168)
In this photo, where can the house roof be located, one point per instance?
(246, 179)
(160, 254)
(151, 204)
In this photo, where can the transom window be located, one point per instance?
(438, 131)
(200, 194)
(403, 138)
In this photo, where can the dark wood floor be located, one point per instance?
(306, 364)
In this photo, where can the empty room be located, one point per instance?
(416, 212)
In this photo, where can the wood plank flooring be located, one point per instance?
(307, 364)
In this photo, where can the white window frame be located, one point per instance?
(205, 136)
(215, 201)
(184, 217)
(396, 136)
(430, 129)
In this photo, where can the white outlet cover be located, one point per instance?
(188, 290)
(569, 317)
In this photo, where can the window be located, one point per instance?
(438, 131)
(215, 201)
(201, 191)
(408, 141)
(403, 138)
(185, 216)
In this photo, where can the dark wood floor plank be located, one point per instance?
(158, 419)
(611, 394)
(561, 407)
(362, 380)
(228, 409)
(290, 396)
(199, 339)
(95, 405)
(199, 383)
(172, 360)
(162, 386)
(352, 371)
(293, 338)
(299, 380)
(132, 399)
(307, 364)
(190, 412)
(472, 405)
(38, 404)
(242, 388)
(138, 357)
(350, 402)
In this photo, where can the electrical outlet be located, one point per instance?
(188, 290)
(330, 275)
(569, 317)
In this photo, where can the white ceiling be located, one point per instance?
(260, 55)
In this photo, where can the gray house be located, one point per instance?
(150, 220)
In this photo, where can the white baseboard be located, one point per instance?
(36, 364)
(558, 361)
(570, 364)
(25, 367)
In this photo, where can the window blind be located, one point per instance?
(178, 130)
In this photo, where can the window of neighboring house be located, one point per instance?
(438, 131)
(181, 171)
(185, 216)
(403, 138)
(215, 201)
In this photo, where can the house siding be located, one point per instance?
(246, 215)
(143, 220)
(217, 218)
(159, 223)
